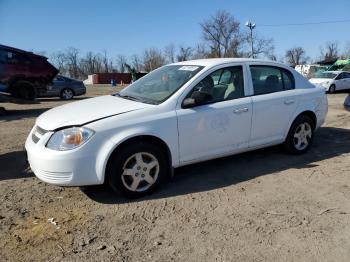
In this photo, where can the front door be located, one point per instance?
(220, 126)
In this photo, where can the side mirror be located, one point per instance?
(197, 98)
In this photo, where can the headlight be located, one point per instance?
(69, 138)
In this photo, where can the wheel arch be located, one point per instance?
(137, 138)
(307, 112)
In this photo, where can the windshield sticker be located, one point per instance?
(188, 68)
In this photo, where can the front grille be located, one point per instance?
(37, 134)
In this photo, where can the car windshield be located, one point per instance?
(159, 85)
(325, 75)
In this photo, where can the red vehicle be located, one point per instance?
(24, 74)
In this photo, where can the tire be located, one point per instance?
(332, 89)
(300, 135)
(130, 172)
(24, 90)
(67, 94)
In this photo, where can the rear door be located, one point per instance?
(274, 102)
(345, 81)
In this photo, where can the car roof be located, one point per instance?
(9, 48)
(219, 61)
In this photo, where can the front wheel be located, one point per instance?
(300, 135)
(137, 170)
(332, 89)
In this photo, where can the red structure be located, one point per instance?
(105, 78)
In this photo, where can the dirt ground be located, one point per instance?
(259, 206)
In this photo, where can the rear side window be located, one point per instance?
(270, 79)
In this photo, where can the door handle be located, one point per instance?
(241, 110)
(289, 102)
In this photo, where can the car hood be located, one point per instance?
(86, 111)
(319, 80)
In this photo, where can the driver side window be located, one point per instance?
(223, 84)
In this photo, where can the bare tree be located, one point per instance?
(330, 51)
(136, 63)
(121, 61)
(185, 53)
(346, 54)
(262, 46)
(107, 64)
(59, 61)
(200, 51)
(72, 58)
(169, 53)
(296, 56)
(91, 63)
(152, 59)
(222, 34)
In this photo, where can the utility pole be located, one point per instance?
(251, 26)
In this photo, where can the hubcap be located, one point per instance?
(302, 136)
(67, 94)
(140, 171)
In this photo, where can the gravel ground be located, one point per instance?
(259, 206)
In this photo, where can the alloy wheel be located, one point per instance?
(140, 171)
(302, 136)
(67, 94)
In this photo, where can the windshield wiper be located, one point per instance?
(138, 99)
(128, 97)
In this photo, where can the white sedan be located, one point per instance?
(332, 81)
(179, 114)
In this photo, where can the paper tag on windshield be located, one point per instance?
(188, 68)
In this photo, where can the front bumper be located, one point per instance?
(75, 167)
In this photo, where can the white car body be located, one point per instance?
(190, 134)
(341, 81)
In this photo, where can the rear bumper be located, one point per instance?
(79, 91)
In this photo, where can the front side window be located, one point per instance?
(270, 79)
(326, 75)
(160, 84)
(223, 84)
(340, 76)
(59, 78)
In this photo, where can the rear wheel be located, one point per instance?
(137, 169)
(300, 135)
(24, 90)
(67, 94)
(332, 89)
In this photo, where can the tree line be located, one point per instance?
(222, 36)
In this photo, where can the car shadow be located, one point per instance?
(14, 165)
(18, 114)
(329, 142)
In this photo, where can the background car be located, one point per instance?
(65, 88)
(24, 74)
(332, 81)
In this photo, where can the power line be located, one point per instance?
(311, 23)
